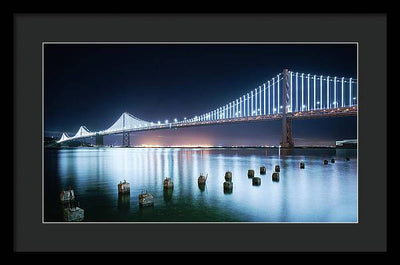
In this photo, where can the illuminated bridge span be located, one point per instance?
(287, 96)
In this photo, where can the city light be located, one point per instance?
(166, 121)
(159, 122)
(175, 120)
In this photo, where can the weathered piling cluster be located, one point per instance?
(202, 179)
(275, 174)
(168, 183)
(67, 195)
(201, 182)
(124, 187)
(74, 213)
(256, 181)
(124, 191)
(228, 184)
(146, 199)
(71, 210)
(326, 162)
(333, 161)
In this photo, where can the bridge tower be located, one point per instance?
(287, 140)
(126, 141)
(99, 140)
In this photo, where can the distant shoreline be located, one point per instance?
(212, 147)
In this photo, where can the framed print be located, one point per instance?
(239, 132)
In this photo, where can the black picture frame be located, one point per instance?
(30, 234)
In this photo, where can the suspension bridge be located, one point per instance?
(287, 96)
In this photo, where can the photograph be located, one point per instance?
(199, 132)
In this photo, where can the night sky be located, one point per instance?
(93, 85)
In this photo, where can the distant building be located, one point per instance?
(347, 143)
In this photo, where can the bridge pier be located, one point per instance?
(287, 140)
(126, 139)
(99, 140)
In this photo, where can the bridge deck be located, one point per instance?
(312, 114)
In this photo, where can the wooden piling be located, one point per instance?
(250, 173)
(124, 187)
(256, 181)
(275, 176)
(228, 176)
(228, 187)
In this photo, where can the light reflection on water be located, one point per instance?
(318, 193)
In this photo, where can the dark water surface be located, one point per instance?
(318, 193)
